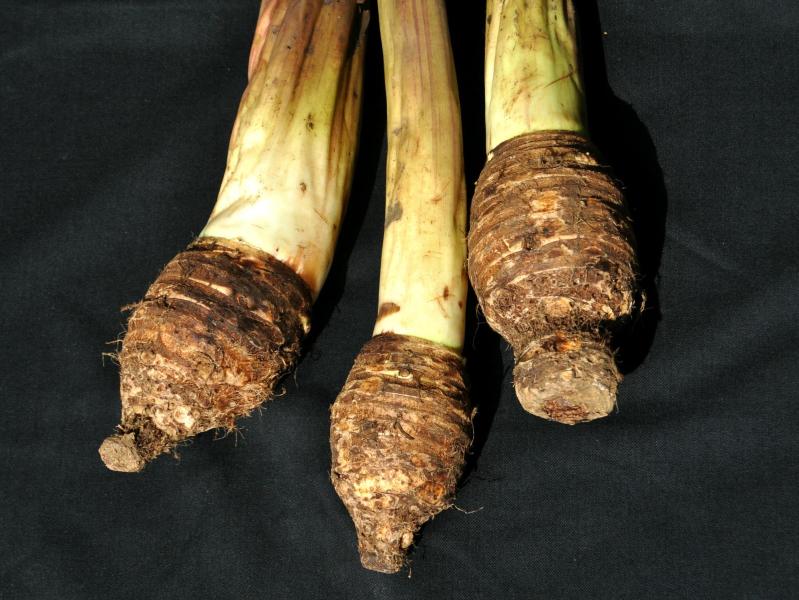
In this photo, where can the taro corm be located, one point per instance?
(226, 317)
(551, 248)
(401, 426)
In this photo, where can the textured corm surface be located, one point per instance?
(552, 261)
(214, 333)
(400, 429)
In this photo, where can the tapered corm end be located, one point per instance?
(384, 546)
(214, 333)
(137, 442)
(399, 433)
(569, 379)
(119, 453)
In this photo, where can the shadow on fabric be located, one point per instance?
(485, 370)
(367, 167)
(626, 144)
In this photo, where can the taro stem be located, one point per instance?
(225, 319)
(551, 253)
(401, 425)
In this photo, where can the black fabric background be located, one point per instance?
(114, 123)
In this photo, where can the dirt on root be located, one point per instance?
(400, 429)
(215, 331)
(552, 253)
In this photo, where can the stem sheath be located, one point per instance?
(423, 281)
(291, 152)
(532, 72)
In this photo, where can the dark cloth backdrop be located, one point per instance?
(114, 123)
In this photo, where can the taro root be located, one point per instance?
(402, 424)
(226, 317)
(551, 246)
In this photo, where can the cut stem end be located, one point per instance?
(119, 453)
(385, 550)
(568, 381)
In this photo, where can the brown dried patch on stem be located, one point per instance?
(552, 261)
(212, 336)
(400, 429)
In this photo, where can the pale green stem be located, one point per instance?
(422, 272)
(293, 144)
(532, 72)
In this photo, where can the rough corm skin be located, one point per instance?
(214, 333)
(552, 261)
(400, 429)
